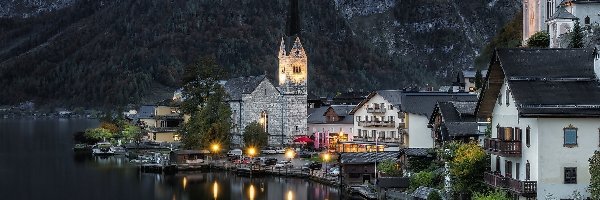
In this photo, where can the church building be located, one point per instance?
(281, 108)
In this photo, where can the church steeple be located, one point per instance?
(282, 52)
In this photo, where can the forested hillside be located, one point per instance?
(98, 53)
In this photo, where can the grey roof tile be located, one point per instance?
(235, 87)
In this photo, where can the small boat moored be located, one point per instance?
(103, 149)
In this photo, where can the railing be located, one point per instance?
(502, 147)
(376, 110)
(163, 129)
(376, 123)
(523, 188)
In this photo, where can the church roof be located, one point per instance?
(580, 1)
(544, 82)
(562, 13)
(235, 87)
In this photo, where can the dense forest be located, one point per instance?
(99, 53)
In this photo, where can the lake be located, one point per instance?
(37, 162)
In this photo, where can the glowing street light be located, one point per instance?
(251, 152)
(326, 158)
(215, 147)
(290, 154)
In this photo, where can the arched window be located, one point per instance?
(527, 171)
(297, 69)
(587, 20)
(264, 121)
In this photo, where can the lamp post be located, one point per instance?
(215, 148)
(289, 154)
(326, 158)
(251, 153)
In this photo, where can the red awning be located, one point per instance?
(303, 140)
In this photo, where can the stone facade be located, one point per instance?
(282, 109)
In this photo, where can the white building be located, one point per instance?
(544, 109)
(330, 125)
(377, 116)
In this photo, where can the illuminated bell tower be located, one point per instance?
(293, 68)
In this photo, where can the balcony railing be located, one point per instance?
(164, 129)
(376, 110)
(376, 123)
(502, 147)
(523, 188)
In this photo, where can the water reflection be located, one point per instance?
(38, 162)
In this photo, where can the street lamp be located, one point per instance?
(290, 155)
(215, 148)
(326, 158)
(251, 152)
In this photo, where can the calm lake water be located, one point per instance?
(37, 162)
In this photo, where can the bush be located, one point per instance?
(423, 178)
(495, 195)
(434, 195)
(540, 39)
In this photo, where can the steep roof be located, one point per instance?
(235, 87)
(544, 82)
(146, 112)
(562, 13)
(317, 116)
(368, 157)
(392, 96)
(423, 103)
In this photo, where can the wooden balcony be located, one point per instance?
(502, 148)
(376, 123)
(376, 110)
(522, 188)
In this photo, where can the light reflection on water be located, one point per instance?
(37, 162)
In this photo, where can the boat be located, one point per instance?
(103, 149)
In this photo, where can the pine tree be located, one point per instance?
(478, 79)
(576, 36)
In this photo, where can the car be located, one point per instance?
(284, 164)
(268, 150)
(334, 171)
(315, 165)
(270, 161)
(280, 150)
(235, 152)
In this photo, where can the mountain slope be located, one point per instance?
(97, 53)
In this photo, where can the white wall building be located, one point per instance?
(544, 108)
(331, 124)
(377, 116)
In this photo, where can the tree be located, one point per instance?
(210, 124)
(494, 195)
(576, 36)
(478, 79)
(130, 132)
(255, 135)
(199, 80)
(422, 178)
(389, 167)
(98, 134)
(434, 195)
(594, 187)
(467, 168)
(539, 39)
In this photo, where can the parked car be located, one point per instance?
(279, 150)
(235, 152)
(284, 164)
(270, 161)
(315, 165)
(268, 150)
(334, 171)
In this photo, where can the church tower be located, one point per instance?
(293, 68)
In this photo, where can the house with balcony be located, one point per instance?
(415, 111)
(377, 117)
(161, 122)
(543, 106)
(330, 125)
(454, 121)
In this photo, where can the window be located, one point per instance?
(359, 133)
(373, 132)
(264, 121)
(391, 118)
(508, 169)
(500, 98)
(393, 134)
(517, 170)
(570, 136)
(381, 134)
(498, 164)
(365, 133)
(297, 69)
(587, 20)
(391, 107)
(518, 135)
(507, 97)
(528, 136)
(358, 120)
(527, 171)
(570, 175)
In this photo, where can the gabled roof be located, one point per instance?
(146, 112)
(562, 13)
(392, 96)
(544, 82)
(317, 116)
(470, 73)
(423, 103)
(235, 87)
(579, 1)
